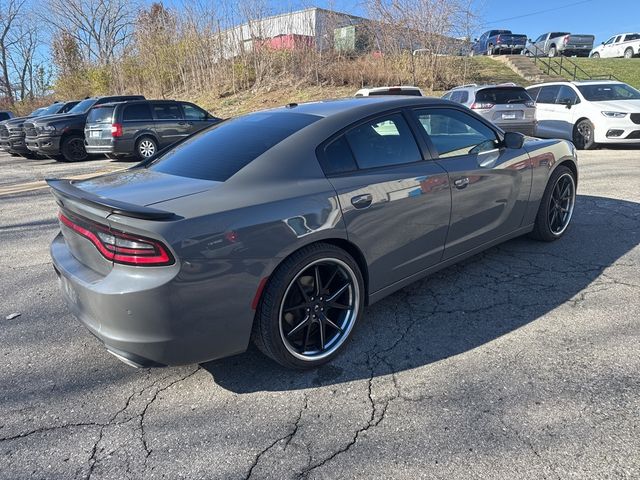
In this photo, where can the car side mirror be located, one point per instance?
(602, 43)
(513, 140)
(475, 40)
(567, 102)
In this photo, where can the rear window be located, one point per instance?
(220, 152)
(558, 34)
(101, 115)
(503, 95)
(140, 111)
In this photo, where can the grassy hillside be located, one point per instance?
(626, 70)
(489, 70)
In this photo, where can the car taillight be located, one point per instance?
(565, 40)
(482, 105)
(118, 246)
(116, 130)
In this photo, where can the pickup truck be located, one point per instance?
(553, 44)
(625, 45)
(499, 41)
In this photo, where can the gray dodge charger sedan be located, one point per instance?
(281, 226)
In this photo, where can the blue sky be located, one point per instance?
(601, 18)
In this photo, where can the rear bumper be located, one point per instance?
(115, 147)
(157, 317)
(97, 149)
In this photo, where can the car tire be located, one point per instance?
(293, 311)
(490, 50)
(146, 148)
(556, 209)
(15, 154)
(595, 55)
(583, 135)
(553, 52)
(73, 149)
(628, 53)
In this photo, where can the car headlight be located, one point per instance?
(614, 114)
(49, 128)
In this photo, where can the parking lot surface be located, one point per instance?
(522, 362)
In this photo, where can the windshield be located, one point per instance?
(50, 110)
(603, 92)
(503, 95)
(37, 112)
(220, 152)
(83, 106)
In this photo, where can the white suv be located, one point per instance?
(399, 90)
(588, 112)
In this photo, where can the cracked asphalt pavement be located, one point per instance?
(522, 362)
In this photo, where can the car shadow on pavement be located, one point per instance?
(466, 305)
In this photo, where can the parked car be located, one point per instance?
(398, 90)
(588, 112)
(506, 105)
(499, 41)
(30, 132)
(142, 128)
(6, 115)
(12, 135)
(554, 44)
(625, 45)
(268, 226)
(62, 138)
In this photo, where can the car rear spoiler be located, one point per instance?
(64, 189)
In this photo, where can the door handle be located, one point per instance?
(362, 201)
(461, 183)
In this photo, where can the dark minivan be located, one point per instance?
(142, 128)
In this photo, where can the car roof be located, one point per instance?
(361, 105)
(578, 83)
(476, 87)
(138, 100)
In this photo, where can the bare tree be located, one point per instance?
(25, 42)
(10, 11)
(102, 28)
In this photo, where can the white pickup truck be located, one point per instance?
(625, 45)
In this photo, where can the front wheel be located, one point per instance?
(628, 53)
(595, 55)
(553, 52)
(309, 307)
(556, 207)
(73, 149)
(490, 50)
(583, 135)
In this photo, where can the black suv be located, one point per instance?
(62, 137)
(12, 135)
(6, 115)
(142, 128)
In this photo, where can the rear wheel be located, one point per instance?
(556, 207)
(146, 148)
(73, 149)
(628, 53)
(309, 307)
(583, 135)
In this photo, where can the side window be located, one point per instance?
(167, 111)
(191, 112)
(610, 41)
(338, 157)
(456, 96)
(618, 38)
(548, 94)
(4, 116)
(464, 96)
(140, 111)
(566, 95)
(541, 38)
(455, 133)
(383, 142)
(533, 93)
(447, 96)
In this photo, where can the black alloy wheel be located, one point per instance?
(309, 307)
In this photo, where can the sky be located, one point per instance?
(602, 18)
